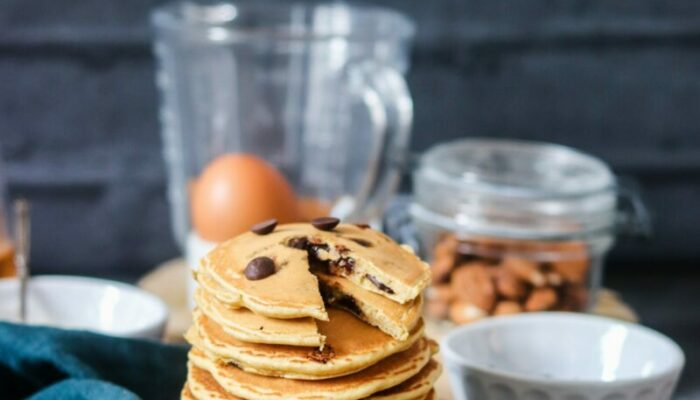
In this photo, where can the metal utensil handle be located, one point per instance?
(22, 234)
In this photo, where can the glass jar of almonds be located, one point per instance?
(514, 226)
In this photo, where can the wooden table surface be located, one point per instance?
(169, 280)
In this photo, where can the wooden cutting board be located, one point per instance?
(169, 282)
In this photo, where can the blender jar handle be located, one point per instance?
(384, 92)
(633, 219)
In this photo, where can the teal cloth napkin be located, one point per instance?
(46, 363)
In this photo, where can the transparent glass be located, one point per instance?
(512, 226)
(316, 90)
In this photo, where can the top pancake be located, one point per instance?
(291, 292)
(364, 256)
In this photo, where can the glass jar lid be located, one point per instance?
(514, 189)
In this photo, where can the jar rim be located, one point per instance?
(515, 188)
(434, 165)
(273, 20)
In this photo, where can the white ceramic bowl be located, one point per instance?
(560, 356)
(97, 305)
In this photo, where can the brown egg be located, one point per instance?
(236, 191)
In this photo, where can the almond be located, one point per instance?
(440, 269)
(472, 283)
(508, 285)
(524, 269)
(462, 312)
(446, 246)
(507, 308)
(554, 279)
(441, 292)
(573, 271)
(541, 299)
(438, 309)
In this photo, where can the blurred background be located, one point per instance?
(80, 134)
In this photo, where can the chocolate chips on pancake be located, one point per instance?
(322, 355)
(259, 268)
(264, 227)
(361, 242)
(325, 223)
(379, 285)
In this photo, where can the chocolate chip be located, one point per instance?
(325, 223)
(259, 268)
(343, 266)
(363, 226)
(322, 356)
(349, 304)
(265, 227)
(379, 285)
(361, 242)
(300, 243)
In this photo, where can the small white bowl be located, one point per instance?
(560, 356)
(97, 305)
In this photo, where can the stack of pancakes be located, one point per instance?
(303, 311)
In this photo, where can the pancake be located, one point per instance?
(234, 300)
(366, 257)
(354, 345)
(247, 326)
(383, 375)
(392, 318)
(418, 386)
(231, 299)
(205, 387)
(290, 292)
(429, 396)
(186, 394)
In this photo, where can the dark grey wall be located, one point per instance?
(620, 79)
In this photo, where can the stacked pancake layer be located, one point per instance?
(338, 317)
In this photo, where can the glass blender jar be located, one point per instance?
(317, 91)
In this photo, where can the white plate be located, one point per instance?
(97, 305)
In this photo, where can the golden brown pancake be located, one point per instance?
(186, 394)
(205, 387)
(388, 373)
(290, 292)
(429, 396)
(393, 318)
(418, 386)
(230, 298)
(351, 345)
(366, 257)
(245, 325)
